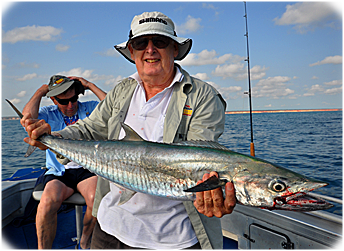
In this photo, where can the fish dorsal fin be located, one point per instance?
(202, 143)
(130, 134)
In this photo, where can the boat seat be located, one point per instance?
(76, 199)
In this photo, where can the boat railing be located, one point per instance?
(326, 215)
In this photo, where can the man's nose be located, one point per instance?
(150, 47)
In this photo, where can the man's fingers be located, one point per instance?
(230, 200)
(35, 143)
(212, 203)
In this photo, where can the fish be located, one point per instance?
(173, 170)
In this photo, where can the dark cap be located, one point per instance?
(58, 84)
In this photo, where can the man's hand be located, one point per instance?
(86, 84)
(90, 86)
(35, 128)
(211, 203)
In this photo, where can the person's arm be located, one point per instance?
(32, 107)
(92, 87)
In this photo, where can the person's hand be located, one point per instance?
(212, 203)
(86, 84)
(35, 128)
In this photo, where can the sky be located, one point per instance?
(295, 49)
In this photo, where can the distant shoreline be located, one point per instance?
(245, 112)
(280, 111)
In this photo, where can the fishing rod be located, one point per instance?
(249, 84)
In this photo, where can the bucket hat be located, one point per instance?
(58, 84)
(154, 23)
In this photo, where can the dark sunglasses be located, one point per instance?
(141, 43)
(66, 101)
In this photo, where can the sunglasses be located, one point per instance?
(141, 43)
(66, 101)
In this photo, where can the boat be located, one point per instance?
(246, 228)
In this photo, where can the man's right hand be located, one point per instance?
(35, 128)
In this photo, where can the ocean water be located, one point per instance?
(309, 143)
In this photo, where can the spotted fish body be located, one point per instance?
(172, 170)
(164, 170)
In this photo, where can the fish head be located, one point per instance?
(268, 186)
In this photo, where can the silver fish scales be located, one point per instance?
(172, 170)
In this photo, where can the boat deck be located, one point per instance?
(24, 236)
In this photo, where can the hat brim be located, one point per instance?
(60, 90)
(184, 46)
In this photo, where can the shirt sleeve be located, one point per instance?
(208, 119)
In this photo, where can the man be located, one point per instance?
(61, 181)
(162, 103)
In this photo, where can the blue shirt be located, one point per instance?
(54, 117)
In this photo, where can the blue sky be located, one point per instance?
(295, 48)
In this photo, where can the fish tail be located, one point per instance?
(31, 149)
(15, 109)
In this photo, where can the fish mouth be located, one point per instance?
(301, 202)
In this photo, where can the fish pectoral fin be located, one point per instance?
(29, 151)
(126, 195)
(209, 184)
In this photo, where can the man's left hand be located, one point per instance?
(212, 203)
(86, 84)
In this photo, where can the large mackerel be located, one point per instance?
(172, 170)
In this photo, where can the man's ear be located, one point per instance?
(176, 49)
(54, 100)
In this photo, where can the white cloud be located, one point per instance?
(112, 52)
(206, 57)
(238, 71)
(272, 87)
(27, 77)
(34, 33)
(314, 89)
(211, 7)
(334, 82)
(28, 65)
(112, 82)
(78, 72)
(323, 90)
(329, 60)
(229, 70)
(191, 25)
(231, 92)
(333, 91)
(306, 16)
(15, 101)
(62, 48)
(90, 76)
(21, 94)
(201, 76)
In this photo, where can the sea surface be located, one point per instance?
(309, 143)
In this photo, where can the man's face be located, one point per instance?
(71, 108)
(152, 62)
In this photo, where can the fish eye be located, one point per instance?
(277, 186)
